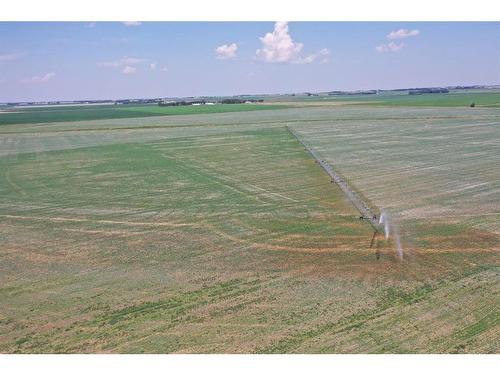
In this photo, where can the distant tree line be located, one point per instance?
(199, 102)
(438, 90)
(180, 103)
(362, 92)
(240, 101)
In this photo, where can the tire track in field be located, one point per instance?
(80, 220)
(222, 180)
(268, 246)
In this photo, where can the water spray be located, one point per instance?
(384, 220)
(390, 229)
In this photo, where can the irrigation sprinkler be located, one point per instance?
(380, 223)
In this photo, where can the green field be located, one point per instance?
(218, 233)
(27, 115)
(452, 99)
(482, 99)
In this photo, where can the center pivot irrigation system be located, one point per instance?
(381, 225)
(366, 212)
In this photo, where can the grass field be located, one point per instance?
(482, 99)
(219, 233)
(452, 99)
(27, 115)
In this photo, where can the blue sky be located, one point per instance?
(109, 60)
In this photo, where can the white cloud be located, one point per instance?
(323, 56)
(155, 66)
(226, 51)
(122, 62)
(402, 33)
(10, 56)
(131, 23)
(129, 70)
(396, 34)
(391, 47)
(305, 60)
(279, 46)
(39, 79)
